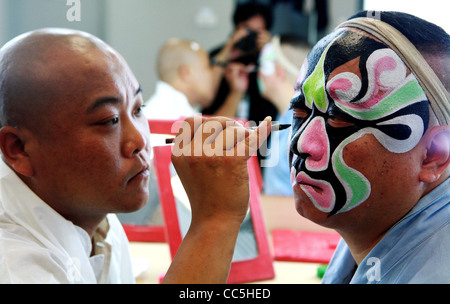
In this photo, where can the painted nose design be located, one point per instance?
(314, 145)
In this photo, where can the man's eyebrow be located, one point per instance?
(112, 100)
(103, 101)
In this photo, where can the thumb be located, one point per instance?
(254, 141)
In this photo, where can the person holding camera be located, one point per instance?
(237, 58)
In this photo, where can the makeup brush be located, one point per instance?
(275, 127)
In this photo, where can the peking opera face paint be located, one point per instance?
(353, 86)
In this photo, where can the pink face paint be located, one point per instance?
(320, 192)
(385, 72)
(314, 141)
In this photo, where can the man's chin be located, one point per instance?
(133, 204)
(306, 208)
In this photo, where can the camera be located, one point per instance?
(248, 43)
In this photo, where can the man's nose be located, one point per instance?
(313, 145)
(136, 138)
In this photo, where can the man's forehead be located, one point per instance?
(339, 52)
(62, 61)
(356, 73)
(345, 45)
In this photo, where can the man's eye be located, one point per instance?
(139, 110)
(299, 113)
(338, 122)
(111, 121)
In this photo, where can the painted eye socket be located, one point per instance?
(299, 113)
(338, 122)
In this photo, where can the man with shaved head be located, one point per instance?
(75, 149)
(185, 81)
(63, 97)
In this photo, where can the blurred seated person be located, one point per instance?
(252, 23)
(185, 81)
(279, 66)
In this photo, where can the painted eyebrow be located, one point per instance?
(111, 100)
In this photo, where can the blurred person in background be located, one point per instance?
(279, 65)
(252, 24)
(185, 81)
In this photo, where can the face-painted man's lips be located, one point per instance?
(319, 192)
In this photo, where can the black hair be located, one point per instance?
(426, 36)
(245, 11)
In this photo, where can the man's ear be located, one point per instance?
(184, 71)
(13, 150)
(437, 158)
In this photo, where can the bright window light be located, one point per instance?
(435, 11)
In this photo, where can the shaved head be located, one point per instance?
(34, 69)
(174, 54)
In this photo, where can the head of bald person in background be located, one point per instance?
(71, 124)
(185, 65)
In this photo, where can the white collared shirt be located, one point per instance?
(37, 245)
(168, 103)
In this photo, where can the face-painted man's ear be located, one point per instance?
(437, 158)
(14, 152)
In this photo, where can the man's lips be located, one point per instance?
(143, 173)
(304, 180)
(319, 192)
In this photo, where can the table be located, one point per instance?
(156, 258)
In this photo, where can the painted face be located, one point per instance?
(353, 86)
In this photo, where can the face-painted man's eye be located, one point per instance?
(338, 122)
(299, 113)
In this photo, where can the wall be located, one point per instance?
(20, 16)
(341, 10)
(3, 28)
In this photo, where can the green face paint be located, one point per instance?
(314, 86)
